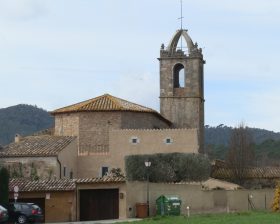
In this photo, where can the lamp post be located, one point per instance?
(147, 165)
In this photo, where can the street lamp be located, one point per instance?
(148, 164)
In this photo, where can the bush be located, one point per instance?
(171, 167)
(4, 186)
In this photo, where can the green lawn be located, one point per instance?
(234, 218)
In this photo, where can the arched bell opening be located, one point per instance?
(179, 76)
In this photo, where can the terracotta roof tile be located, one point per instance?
(43, 145)
(250, 173)
(26, 185)
(105, 179)
(105, 102)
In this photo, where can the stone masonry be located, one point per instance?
(182, 105)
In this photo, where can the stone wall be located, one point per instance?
(43, 167)
(66, 124)
(35, 167)
(140, 120)
(183, 106)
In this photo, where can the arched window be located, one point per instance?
(179, 76)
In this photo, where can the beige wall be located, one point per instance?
(198, 199)
(68, 158)
(150, 141)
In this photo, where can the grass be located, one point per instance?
(233, 218)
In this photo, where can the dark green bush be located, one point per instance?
(4, 186)
(171, 167)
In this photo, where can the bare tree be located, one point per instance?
(241, 152)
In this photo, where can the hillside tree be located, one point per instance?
(240, 155)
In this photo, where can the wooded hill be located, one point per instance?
(24, 120)
(267, 144)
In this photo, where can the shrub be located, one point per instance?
(168, 167)
(4, 186)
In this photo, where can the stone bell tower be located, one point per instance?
(181, 85)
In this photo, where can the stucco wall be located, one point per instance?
(150, 141)
(68, 158)
(90, 166)
(198, 199)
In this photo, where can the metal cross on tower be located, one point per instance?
(181, 18)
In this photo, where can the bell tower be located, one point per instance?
(181, 84)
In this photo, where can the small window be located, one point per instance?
(168, 141)
(134, 140)
(71, 174)
(104, 171)
(64, 171)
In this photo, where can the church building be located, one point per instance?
(108, 128)
(92, 137)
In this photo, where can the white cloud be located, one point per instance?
(21, 9)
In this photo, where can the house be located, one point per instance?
(41, 156)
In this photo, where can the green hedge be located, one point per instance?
(171, 167)
(4, 187)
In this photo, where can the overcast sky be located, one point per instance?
(58, 52)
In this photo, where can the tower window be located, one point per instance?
(134, 140)
(168, 141)
(179, 76)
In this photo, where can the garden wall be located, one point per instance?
(198, 199)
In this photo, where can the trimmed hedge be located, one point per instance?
(171, 167)
(4, 187)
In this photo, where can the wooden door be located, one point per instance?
(99, 204)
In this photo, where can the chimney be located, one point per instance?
(17, 138)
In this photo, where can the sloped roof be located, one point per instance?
(105, 179)
(105, 102)
(26, 185)
(250, 173)
(43, 145)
